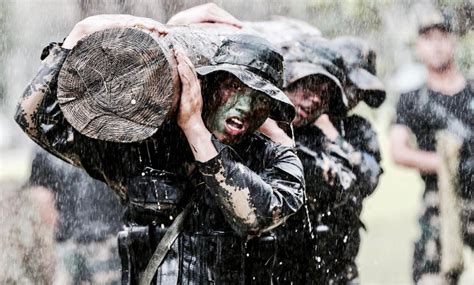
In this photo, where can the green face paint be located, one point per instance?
(240, 110)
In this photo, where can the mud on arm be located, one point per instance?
(255, 202)
(39, 115)
(38, 112)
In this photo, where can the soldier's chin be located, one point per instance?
(297, 121)
(228, 138)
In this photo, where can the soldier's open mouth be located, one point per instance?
(234, 126)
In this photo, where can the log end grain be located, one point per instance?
(118, 85)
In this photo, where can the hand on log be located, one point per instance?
(190, 110)
(93, 24)
(207, 13)
(190, 103)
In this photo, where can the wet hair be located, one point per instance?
(442, 27)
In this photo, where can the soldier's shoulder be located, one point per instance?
(264, 142)
(470, 85)
(410, 98)
(412, 93)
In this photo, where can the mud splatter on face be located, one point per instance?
(238, 110)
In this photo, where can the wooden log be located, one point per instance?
(280, 30)
(451, 238)
(121, 84)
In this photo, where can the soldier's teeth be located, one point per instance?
(236, 121)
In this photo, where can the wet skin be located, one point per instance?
(310, 100)
(236, 110)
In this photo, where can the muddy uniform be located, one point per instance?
(320, 244)
(425, 112)
(159, 176)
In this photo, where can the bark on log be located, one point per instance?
(451, 238)
(121, 84)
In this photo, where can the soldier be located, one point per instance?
(445, 101)
(236, 184)
(341, 160)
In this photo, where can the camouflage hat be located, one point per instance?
(362, 82)
(258, 65)
(433, 19)
(314, 56)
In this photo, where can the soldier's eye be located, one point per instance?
(263, 99)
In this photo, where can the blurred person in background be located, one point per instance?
(89, 219)
(445, 101)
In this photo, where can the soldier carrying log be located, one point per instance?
(235, 183)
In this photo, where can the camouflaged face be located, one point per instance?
(282, 110)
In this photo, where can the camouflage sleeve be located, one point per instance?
(255, 202)
(330, 167)
(39, 115)
(362, 148)
(38, 112)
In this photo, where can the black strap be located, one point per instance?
(165, 245)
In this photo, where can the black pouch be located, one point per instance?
(155, 197)
(260, 259)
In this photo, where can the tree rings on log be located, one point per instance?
(118, 85)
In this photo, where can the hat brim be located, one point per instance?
(283, 108)
(300, 70)
(370, 87)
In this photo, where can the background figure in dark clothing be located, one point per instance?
(90, 217)
(446, 101)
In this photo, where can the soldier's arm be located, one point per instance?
(404, 154)
(253, 203)
(206, 13)
(362, 148)
(402, 151)
(38, 112)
